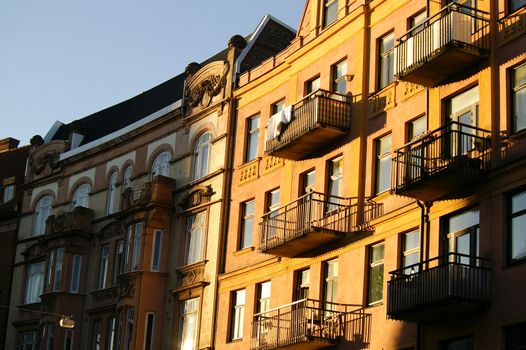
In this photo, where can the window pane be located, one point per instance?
(376, 273)
(411, 251)
(34, 282)
(383, 164)
(202, 151)
(518, 222)
(8, 192)
(75, 273)
(81, 196)
(252, 139)
(313, 85)
(339, 83)
(42, 212)
(516, 4)
(58, 269)
(247, 224)
(386, 62)
(238, 314)
(156, 254)
(105, 255)
(194, 238)
(264, 296)
(136, 246)
(150, 317)
(331, 12)
(189, 321)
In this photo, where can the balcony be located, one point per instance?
(308, 324)
(156, 192)
(316, 121)
(311, 221)
(443, 163)
(76, 221)
(439, 288)
(446, 45)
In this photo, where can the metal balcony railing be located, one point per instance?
(454, 146)
(455, 26)
(318, 110)
(303, 321)
(419, 291)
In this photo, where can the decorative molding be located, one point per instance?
(197, 196)
(204, 85)
(64, 222)
(44, 159)
(126, 287)
(249, 172)
(411, 89)
(113, 229)
(512, 26)
(137, 195)
(271, 164)
(190, 276)
(383, 100)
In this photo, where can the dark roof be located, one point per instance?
(274, 38)
(13, 162)
(116, 117)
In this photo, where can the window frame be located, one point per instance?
(30, 283)
(514, 90)
(385, 59)
(149, 330)
(200, 222)
(201, 156)
(328, 6)
(237, 317)
(102, 282)
(161, 165)
(8, 193)
(246, 218)
(382, 157)
(74, 286)
(371, 265)
(184, 316)
(404, 251)
(157, 250)
(509, 234)
(42, 212)
(81, 196)
(336, 79)
(312, 85)
(252, 138)
(331, 280)
(112, 194)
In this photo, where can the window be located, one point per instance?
(238, 314)
(515, 337)
(416, 22)
(104, 262)
(518, 97)
(376, 274)
(339, 75)
(263, 297)
(313, 85)
(272, 210)
(415, 155)
(28, 340)
(97, 335)
(50, 268)
(463, 109)
(202, 150)
(130, 315)
(278, 107)
(458, 344)
(189, 323)
(9, 192)
(517, 222)
(68, 339)
(75, 274)
(112, 191)
(416, 128)
(34, 282)
(410, 251)
(514, 5)
(156, 249)
(50, 336)
(247, 224)
(252, 138)
(112, 339)
(307, 182)
(81, 196)
(160, 165)
(126, 180)
(462, 233)
(386, 60)
(119, 260)
(383, 164)
(136, 246)
(58, 269)
(148, 337)
(195, 228)
(302, 284)
(42, 212)
(330, 13)
(335, 176)
(330, 284)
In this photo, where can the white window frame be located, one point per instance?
(34, 282)
(195, 237)
(43, 209)
(161, 164)
(81, 196)
(112, 193)
(189, 310)
(126, 179)
(76, 269)
(201, 158)
(103, 268)
(238, 314)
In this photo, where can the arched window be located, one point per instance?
(126, 181)
(202, 150)
(160, 164)
(42, 211)
(112, 192)
(81, 196)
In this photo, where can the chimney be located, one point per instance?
(8, 144)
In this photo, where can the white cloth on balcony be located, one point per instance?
(276, 123)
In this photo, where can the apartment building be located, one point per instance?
(12, 168)
(379, 181)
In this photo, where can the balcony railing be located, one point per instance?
(310, 221)
(439, 163)
(317, 120)
(307, 324)
(443, 46)
(439, 288)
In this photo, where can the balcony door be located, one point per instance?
(464, 110)
(462, 235)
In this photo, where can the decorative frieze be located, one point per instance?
(512, 26)
(248, 172)
(383, 100)
(271, 163)
(410, 89)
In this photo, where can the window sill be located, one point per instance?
(375, 304)
(244, 251)
(381, 196)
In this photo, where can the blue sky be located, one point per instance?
(65, 59)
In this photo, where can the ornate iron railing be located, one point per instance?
(455, 24)
(437, 282)
(320, 108)
(454, 145)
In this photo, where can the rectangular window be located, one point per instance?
(416, 22)
(514, 5)
(383, 164)
(188, 324)
(34, 282)
(50, 341)
(312, 85)
(386, 60)
(9, 192)
(75, 274)
(156, 250)
(130, 315)
(518, 98)
(58, 269)
(97, 335)
(462, 233)
(517, 223)
(148, 336)
(330, 13)
(416, 128)
(335, 176)
(104, 262)
(278, 107)
(112, 339)
(119, 260)
(272, 210)
(252, 138)
(238, 314)
(515, 337)
(50, 268)
(28, 340)
(376, 274)
(307, 182)
(458, 344)
(136, 246)
(195, 231)
(247, 224)
(302, 284)
(330, 284)
(263, 297)
(339, 76)
(410, 251)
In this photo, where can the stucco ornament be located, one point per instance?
(205, 84)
